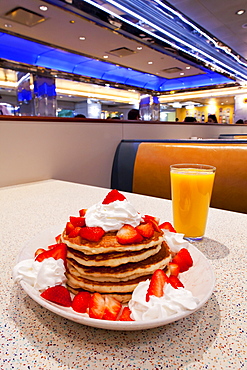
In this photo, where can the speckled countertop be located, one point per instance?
(34, 338)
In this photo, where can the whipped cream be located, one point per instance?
(40, 275)
(175, 241)
(112, 216)
(173, 301)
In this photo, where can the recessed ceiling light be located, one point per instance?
(105, 56)
(82, 38)
(181, 74)
(187, 67)
(150, 62)
(8, 25)
(72, 22)
(240, 12)
(43, 8)
(139, 47)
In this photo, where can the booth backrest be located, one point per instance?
(144, 168)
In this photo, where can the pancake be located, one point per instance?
(122, 272)
(106, 286)
(108, 243)
(121, 297)
(111, 259)
(113, 264)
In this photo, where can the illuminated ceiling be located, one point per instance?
(160, 59)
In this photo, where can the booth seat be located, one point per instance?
(233, 136)
(143, 167)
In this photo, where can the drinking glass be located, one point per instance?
(191, 189)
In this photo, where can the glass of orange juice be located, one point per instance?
(191, 189)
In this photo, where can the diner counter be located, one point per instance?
(32, 337)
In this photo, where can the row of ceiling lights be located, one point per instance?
(83, 38)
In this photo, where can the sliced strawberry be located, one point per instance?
(183, 260)
(146, 230)
(128, 235)
(39, 251)
(112, 308)
(174, 269)
(80, 302)
(58, 238)
(75, 232)
(112, 196)
(77, 221)
(59, 251)
(139, 238)
(57, 294)
(82, 212)
(125, 315)
(96, 306)
(52, 246)
(175, 282)
(157, 283)
(153, 220)
(69, 228)
(168, 226)
(93, 234)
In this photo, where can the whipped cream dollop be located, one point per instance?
(112, 216)
(40, 275)
(173, 301)
(175, 241)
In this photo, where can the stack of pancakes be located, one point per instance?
(109, 267)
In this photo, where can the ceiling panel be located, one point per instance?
(58, 31)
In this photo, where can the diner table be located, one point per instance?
(32, 337)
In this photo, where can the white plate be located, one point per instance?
(199, 280)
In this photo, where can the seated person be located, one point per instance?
(189, 119)
(212, 118)
(134, 114)
(80, 116)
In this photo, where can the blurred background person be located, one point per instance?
(134, 114)
(212, 118)
(189, 119)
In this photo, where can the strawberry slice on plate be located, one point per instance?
(57, 294)
(39, 251)
(168, 226)
(96, 306)
(175, 282)
(59, 251)
(125, 315)
(183, 260)
(112, 308)
(157, 283)
(173, 268)
(128, 235)
(112, 196)
(58, 238)
(146, 230)
(81, 301)
(92, 234)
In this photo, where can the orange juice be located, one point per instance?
(191, 193)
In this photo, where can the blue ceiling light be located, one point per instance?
(32, 53)
(164, 23)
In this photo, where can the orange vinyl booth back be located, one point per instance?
(151, 172)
